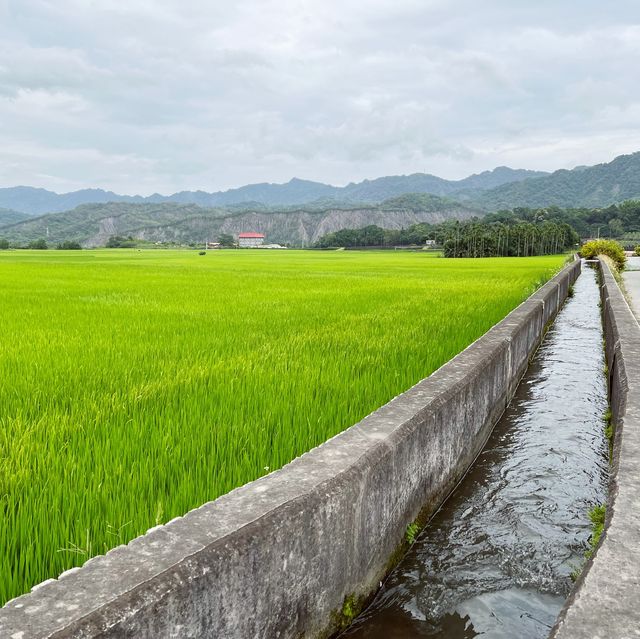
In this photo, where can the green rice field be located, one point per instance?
(137, 385)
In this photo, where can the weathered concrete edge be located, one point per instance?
(605, 602)
(277, 557)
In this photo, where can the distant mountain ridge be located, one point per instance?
(591, 187)
(503, 187)
(296, 192)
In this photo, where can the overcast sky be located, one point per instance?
(140, 96)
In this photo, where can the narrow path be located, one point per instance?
(631, 278)
(496, 559)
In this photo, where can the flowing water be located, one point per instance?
(495, 561)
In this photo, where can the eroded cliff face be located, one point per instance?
(295, 227)
(92, 225)
(108, 227)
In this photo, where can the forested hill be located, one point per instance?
(594, 186)
(7, 216)
(93, 224)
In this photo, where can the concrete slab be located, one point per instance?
(631, 278)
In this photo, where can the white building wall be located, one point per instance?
(248, 242)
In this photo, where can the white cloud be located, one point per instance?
(153, 95)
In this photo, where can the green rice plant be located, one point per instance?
(138, 385)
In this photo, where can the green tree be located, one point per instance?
(118, 241)
(371, 235)
(4, 244)
(616, 227)
(226, 240)
(40, 244)
(69, 246)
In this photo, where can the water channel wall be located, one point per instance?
(605, 603)
(278, 557)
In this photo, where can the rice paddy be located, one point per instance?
(136, 386)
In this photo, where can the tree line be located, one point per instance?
(473, 238)
(40, 245)
(615, 221)
(497, 239)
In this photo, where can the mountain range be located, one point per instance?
(300, 210)
(296, 192)
(590, 187)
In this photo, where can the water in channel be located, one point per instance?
(496, 559)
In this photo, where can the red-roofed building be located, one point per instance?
(247, 240)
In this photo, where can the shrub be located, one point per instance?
(638, 250)
(611, 248)
(226, 240)
(69, 246)
(118, 241)
(38, 244)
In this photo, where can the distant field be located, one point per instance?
(138, 385)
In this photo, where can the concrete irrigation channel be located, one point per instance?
(497, 559)
(298, 553)
(604, 602)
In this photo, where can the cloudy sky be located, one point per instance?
(164, 95)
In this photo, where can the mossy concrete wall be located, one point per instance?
(605, 603)
(279, 556)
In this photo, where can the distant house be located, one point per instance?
(429, 243)
(249, 240)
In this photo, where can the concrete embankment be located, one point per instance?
(605, 603)
(280, 556)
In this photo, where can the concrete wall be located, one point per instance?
(278, 557)
(605, 603)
